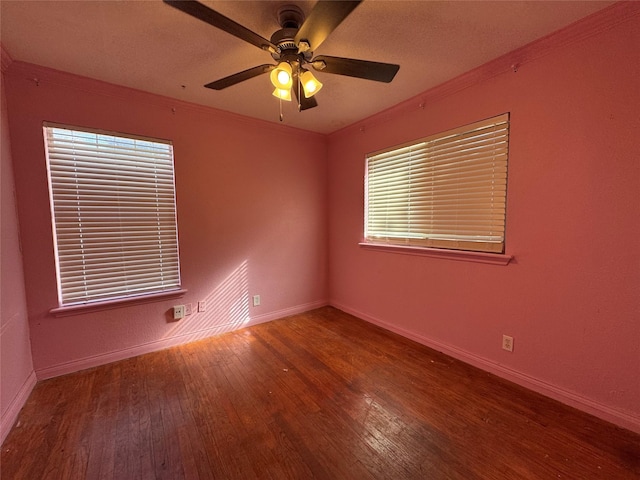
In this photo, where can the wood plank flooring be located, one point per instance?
(319, 395)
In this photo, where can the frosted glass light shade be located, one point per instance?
(283, 94)
(310, 84)
(282, 76)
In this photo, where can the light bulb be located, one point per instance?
(282, 76)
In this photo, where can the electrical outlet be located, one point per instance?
(507, 343)
(201, 306)
(256, 300)
(188, 309)
(178, 312)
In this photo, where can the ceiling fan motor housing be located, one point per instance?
(290, 16)
(287, 49)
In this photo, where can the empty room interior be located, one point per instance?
(410, 253)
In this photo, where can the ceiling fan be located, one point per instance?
(292, 47)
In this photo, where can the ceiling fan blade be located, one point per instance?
(380, 72)
(305, 103)
(323, 19)
(206, 14)
(240, 77)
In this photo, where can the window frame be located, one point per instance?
(112, 200)
(392, 216)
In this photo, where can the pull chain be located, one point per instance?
(281, 115)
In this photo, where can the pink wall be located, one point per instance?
(251, 220)
(571, 296)
(17, 377)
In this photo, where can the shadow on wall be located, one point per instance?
(226, 309)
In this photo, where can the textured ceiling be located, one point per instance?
(151, 46)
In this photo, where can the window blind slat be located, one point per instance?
(114, 214)
(448, 190)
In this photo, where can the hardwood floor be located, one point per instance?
(318, 395)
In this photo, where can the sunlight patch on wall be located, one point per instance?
(226, 309)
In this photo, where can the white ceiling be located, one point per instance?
(151, 46)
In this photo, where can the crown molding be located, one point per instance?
(580, 30)
(5, 58)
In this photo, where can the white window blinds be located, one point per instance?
(447, 190)
(114, 215)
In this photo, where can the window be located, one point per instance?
(445, 191)
(114, 215)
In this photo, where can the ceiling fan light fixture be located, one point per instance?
(292, 47)
(310, 84)
(282, 76)
(282, 94)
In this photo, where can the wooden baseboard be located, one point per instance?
(11, 414)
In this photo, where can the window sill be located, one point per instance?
(460, 255)
(79, 309)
